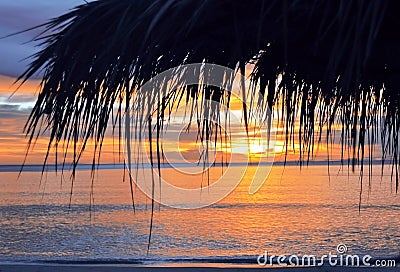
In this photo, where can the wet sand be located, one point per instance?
(131, 268)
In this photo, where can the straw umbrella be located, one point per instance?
(338, 60)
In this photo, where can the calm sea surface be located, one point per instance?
(295, 212)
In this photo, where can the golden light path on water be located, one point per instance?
(295, 212)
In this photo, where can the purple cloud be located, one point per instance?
(20, 15)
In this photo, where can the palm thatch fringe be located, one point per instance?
(335, 60)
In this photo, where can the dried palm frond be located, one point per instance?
(337, 59)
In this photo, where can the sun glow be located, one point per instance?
(256, 148)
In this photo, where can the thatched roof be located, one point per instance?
(338, 60)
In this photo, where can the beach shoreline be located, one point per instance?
(182, 267)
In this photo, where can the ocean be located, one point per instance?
(297, 211)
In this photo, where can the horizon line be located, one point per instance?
(110, 166)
